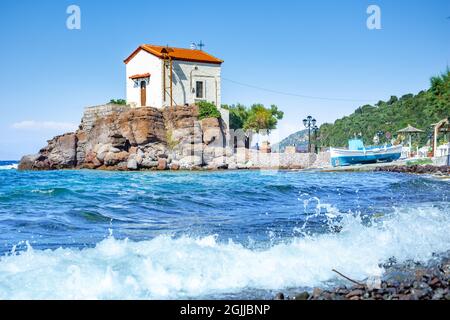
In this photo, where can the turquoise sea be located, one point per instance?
(209, 235)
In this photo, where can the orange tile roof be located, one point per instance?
(176, 54)
(140, 76)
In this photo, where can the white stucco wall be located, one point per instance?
(184, 80)
(143, 63)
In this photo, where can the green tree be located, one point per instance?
(238, 115)
(262, 118)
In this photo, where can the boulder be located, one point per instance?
(28, 162)
(162, 164)
(142, 125)
(149, 163)
(189, 162)
(112, 159)
(174, 166)
(102, 150)
(64, 151)
(132, 164)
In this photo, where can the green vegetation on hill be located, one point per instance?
(421, 110)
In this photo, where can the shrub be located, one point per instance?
(207, 110)
(118, 101)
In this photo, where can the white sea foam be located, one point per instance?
(187, 267)
(9, 166)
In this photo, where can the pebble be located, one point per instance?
(423, 284)
(279, 296)
(302, 296)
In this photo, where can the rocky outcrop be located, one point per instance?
(60, 153)
(417, 169)
(118, 138)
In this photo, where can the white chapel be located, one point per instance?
(160, 76)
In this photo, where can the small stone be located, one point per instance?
(302, 296)
(419, 293)
(316, 293)
(342, 291)
(279, 296)
(435, 282)
(438, 294)
(353, 293)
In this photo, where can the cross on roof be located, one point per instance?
(200, 45)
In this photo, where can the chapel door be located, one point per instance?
(143, 93)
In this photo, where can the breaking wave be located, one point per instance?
(188, 267)
(9, 166)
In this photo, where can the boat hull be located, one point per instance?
(342, 157)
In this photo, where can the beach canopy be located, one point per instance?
(410, 129)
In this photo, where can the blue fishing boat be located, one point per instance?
(357, 153)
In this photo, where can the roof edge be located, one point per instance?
(143, 47)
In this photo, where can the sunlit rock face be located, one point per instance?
(120, 138)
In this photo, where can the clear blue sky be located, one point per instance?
(316, 48)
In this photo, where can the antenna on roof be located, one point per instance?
(200, 45)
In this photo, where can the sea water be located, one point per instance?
(134, 235)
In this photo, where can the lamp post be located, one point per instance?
(380, 134)
(315, 129)
(310, 124)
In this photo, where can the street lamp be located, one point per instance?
(380, 135)
(310, 124)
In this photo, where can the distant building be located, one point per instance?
(159, 76)
(290, 149)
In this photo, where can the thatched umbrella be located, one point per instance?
(410, 130)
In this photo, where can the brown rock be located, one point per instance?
(112, 159)
(302, 296)
(162, 164)
(435, 282)
(316, 293)
(28, 162)
(357, 292)
(142, 125)
(133, 150)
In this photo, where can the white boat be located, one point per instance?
(358, 154)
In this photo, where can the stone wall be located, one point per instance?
(252, 159)
(91, 114)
